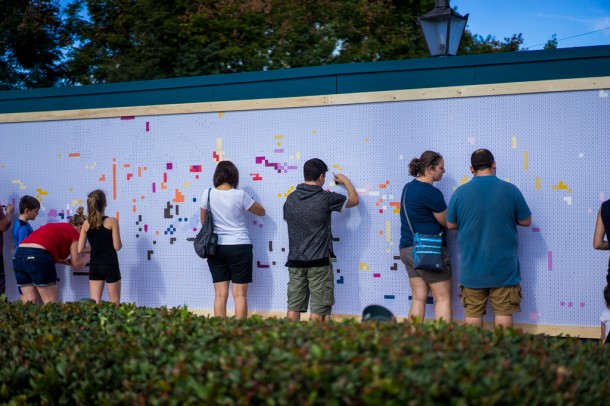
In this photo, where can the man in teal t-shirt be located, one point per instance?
(486, 211)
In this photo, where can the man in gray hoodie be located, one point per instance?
(307, 212)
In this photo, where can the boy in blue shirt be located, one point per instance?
(28, 210)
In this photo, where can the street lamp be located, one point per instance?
(443, 29)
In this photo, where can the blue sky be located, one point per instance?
(538, 20)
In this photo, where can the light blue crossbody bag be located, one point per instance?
(427, 254)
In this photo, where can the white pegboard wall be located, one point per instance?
(154, 169)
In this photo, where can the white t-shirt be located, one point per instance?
(229, 211)
(605, 319)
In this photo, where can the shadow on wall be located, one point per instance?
(261, 291)
(531, 242)
(73, 287)
(150, 289)
(353, 223)
(446, 186)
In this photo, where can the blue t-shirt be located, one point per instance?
(486, 210)
(422, 200)
(21, 229)
(605, 212)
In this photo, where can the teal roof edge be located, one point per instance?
(321, 80)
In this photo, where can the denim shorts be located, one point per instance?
(34, 266)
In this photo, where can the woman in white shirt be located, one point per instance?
(233, 259)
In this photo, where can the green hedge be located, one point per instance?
(84, 354)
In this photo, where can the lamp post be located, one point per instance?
(443, 29)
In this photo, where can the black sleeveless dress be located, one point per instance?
(102, 248)
(605, 212)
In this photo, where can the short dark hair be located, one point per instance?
(28, 202)
(607, 296)
(482, 159)
(226, 172)
(313, 169)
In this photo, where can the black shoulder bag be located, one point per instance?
(206, 240)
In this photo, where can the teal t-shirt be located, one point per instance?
(486, 210)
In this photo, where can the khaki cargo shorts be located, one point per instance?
(504, 301)
(317, 282)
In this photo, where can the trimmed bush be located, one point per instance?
(81, 353)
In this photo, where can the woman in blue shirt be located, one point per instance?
(426, 208)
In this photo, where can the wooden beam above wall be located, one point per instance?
(546, 329)
(340, 79)
(542, 86)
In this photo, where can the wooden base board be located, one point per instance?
(546, 329)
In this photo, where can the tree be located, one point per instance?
(369, 31)
(552, 43)
(31, 41)
(476, 44)
(101, 41)
(124, 40)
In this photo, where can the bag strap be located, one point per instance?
(209, 193)
(404, 208)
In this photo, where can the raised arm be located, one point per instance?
(600, 232)
(352, 195)
(257, 209)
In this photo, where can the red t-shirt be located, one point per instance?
(55, 238)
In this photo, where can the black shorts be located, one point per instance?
(108, 273)
(232, 263)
